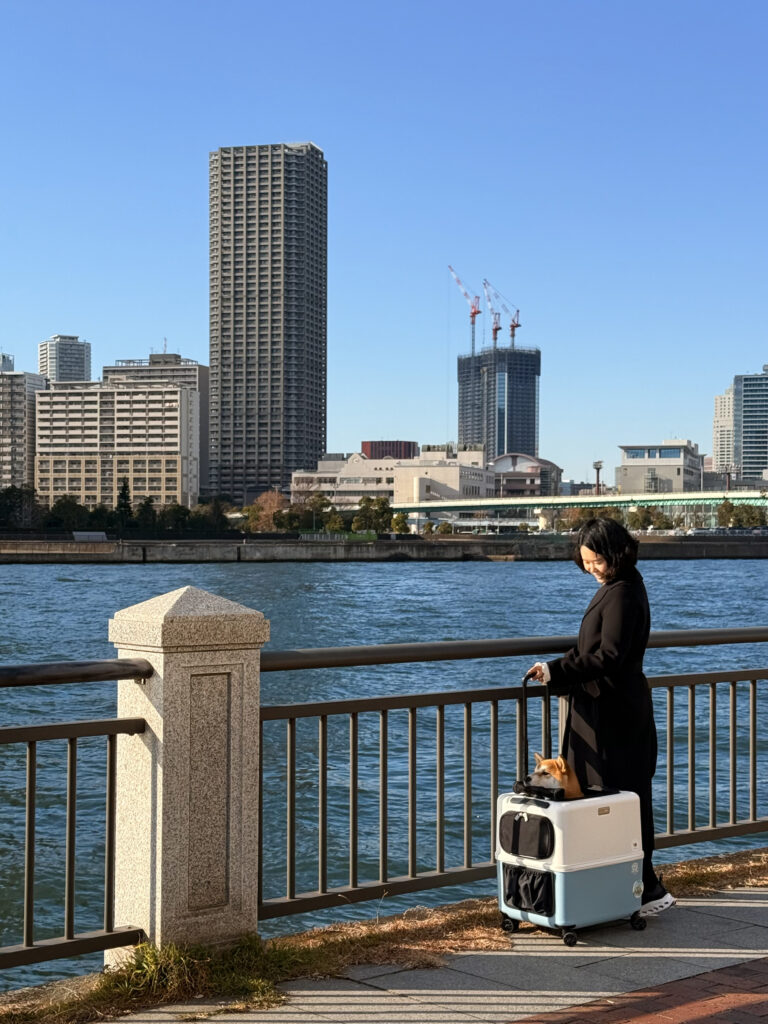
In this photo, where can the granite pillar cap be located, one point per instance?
(188, 619)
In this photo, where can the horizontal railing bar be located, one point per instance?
(56, 949)
(303, 902)
(70, 730)
(454, 650)
(702, 835)
(52, 672)
(278, 712)
(699, 678)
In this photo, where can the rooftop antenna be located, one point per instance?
(165, 346)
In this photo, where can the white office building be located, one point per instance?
(659, 468)
(439, 472)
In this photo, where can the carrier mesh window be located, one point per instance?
(526, 835)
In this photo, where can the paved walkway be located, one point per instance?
(704, 961)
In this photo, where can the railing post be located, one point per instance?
(186, 829)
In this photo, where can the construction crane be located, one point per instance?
(474, 304)
(494, 313)
(514, 318)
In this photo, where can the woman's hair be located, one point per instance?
(611, 541)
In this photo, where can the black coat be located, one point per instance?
(604, 681)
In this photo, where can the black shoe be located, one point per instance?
(656, 900)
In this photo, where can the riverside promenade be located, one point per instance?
(704, 961)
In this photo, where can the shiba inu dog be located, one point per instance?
(555, 773)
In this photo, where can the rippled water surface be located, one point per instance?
(60, 613)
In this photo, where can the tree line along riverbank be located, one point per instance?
(542, 548)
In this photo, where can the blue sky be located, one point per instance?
(602, 162)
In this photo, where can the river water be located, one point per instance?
(60, 613)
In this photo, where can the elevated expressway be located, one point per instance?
(671, 500)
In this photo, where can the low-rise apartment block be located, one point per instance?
(170, 368)
(91, 437)
(17, 427)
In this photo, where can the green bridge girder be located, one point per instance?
(679, 499)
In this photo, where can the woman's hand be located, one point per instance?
(539, 672)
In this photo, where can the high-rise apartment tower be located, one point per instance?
(268, 234)
(722, 432)
(750, 424)
(499, 400)
(64, 358)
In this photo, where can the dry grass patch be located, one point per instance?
(726, 871)
(245, 975)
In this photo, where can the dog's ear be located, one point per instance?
(562, 764)
(538, 759)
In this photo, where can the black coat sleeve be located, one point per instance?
(608, 638)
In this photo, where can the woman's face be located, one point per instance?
(593, 563)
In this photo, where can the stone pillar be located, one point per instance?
(187, 819)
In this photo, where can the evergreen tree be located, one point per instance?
(124, 506)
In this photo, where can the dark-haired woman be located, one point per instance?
(610, 733)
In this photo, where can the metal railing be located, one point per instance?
(444, 778)
(70, 943)
(490, 717)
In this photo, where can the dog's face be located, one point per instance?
(549, 773)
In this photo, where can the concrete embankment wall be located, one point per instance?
(524, 549)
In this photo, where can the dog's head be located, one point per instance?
(554, 773)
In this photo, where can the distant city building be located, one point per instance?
(268, 270)
(499, 400)
(91, 437)
(722, 433)
(437, 473)
(750, 424)
(170, 367)
(17, 427)
(64, 357)
(658, 469)
(571, 488)
(397, 449)
(6, 363)
(523, 476)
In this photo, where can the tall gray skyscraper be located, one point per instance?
(499, 400)
(268, 283)
(64, 358)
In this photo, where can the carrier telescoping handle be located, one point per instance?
(524, 722)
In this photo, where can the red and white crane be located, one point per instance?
(474, 305)
(514, 318)
(494, 313)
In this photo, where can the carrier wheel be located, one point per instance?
(509, 924)
(637, 922)
(570, 938)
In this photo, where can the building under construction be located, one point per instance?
(498, 387)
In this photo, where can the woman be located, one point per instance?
(610, 733)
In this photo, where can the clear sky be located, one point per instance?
(601, 162)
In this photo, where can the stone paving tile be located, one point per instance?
(530, 973)
(361, 972)
(749, 906)
(343, 1001)
(480, 998)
